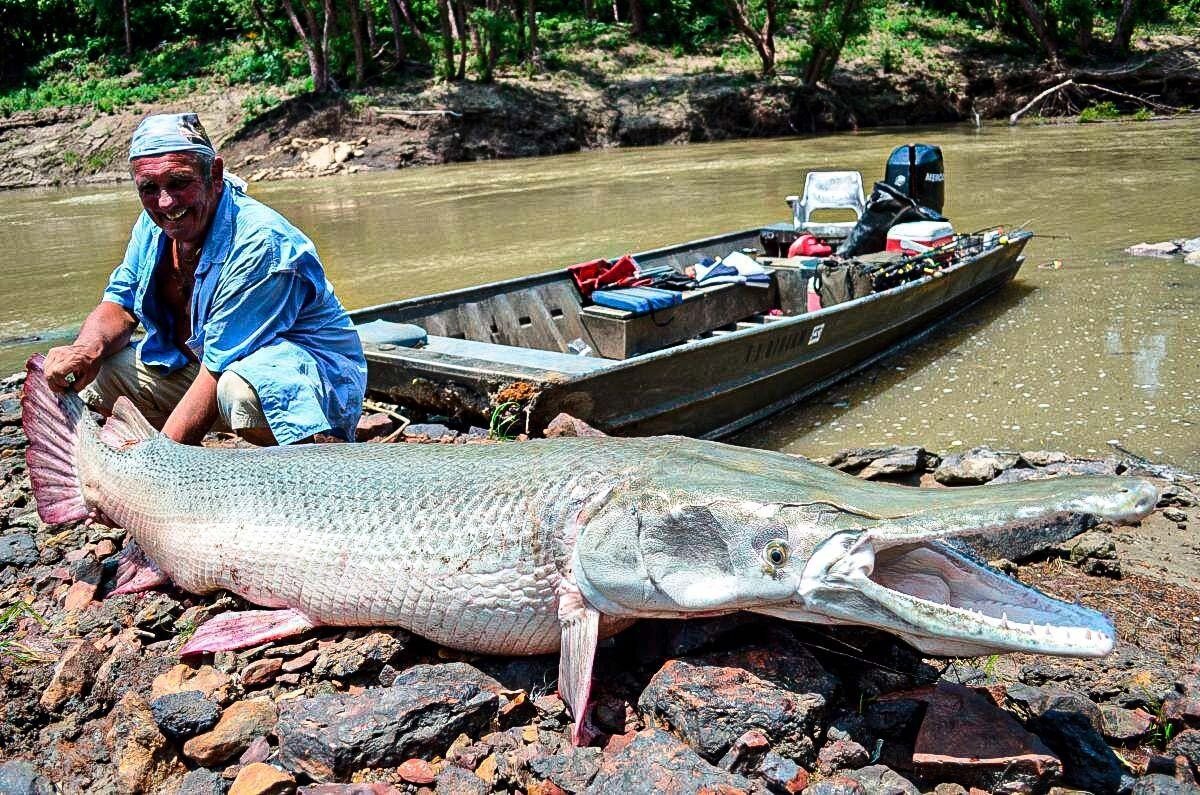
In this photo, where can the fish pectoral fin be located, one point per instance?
(580, 633)
(241, 630)
(126, 426)
(136, 572)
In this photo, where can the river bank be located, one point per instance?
(634, 97)
(98, 701)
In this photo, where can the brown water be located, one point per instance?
(1105, 348)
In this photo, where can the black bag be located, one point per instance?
(838, 282)
(885, 208)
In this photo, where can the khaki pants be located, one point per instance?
(156, 396)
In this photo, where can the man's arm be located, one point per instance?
(196, 412)
(106, 331)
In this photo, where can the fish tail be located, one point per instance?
(52, 424)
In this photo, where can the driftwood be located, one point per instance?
(1069, 83)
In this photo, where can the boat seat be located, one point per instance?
(568, 363)
(385, 332)
(828, 190)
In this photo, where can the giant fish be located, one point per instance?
(550, 545)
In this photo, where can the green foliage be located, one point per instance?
(504, 418)
(1143, 114)
(256, 104)
(1101, 111)
(12, 647)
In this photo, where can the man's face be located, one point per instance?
(175, 193)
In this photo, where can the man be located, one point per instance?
(242, 329)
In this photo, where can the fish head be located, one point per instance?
(839, 550)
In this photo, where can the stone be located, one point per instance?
(746, 752)
(261, 672)
(571, 770)
(1189, 245)
(18, 549)
(1041, 458)
(882, 780)
(838, 785)
(258, 751)
(201, 781)
(184, 715)
(144, 758)
(1167, 248)
(419, 715)
(782, 775)
(906, 461)
(79, 595)
(1159, 784)
(258, 778)
(73, 675)
(207, 680)
(1125, 725)
(841, 755)
(658, 762)
(564, 425)
(974, 467)
(966, 738)
(417, 771)
(858, 460)
(710, 706)
(373, 788)
(300, 663)
(1192, 259)
(430, 431)
(1028, 702)
(21, 778)
(373, 426)
(455, 780)
(1186, 744)
(360, 657)
(1088, 762)
(240, 723)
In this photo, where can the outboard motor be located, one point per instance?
(917, 171)
(886, 207)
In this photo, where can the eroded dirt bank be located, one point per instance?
(424, 123)
(97, 699)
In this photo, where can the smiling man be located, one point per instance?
(242, 329)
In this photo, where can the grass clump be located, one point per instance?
(10, 646)
(1101, 111)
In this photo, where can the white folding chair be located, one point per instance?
(828, 190)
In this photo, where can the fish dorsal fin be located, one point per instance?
(126, 426)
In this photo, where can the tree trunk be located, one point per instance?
(356, 34)
(372, 37)
(458, 17)
(1124, 30)
(1041, 30)
(535, 57)
(616, 11)
(314, 41)
(397, 36)
(128, 34)
(444, 18)
(637, 19)
(763, 38)
(589, 12)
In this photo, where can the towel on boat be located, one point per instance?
(735, 268)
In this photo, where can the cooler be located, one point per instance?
(917, 237)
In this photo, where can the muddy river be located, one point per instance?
(1102, 348)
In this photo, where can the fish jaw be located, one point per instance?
(940, 601)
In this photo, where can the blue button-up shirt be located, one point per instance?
(262, 308)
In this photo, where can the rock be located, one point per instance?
(417, 771)
(875, 462)
(1125, 725)
(782, 775)
(358, 657)
(18, 549)
(374, 788)
(564, 425)
(22, 778)
(373, 426)
(711, 706)
(258, 778)
(974, 467)
(839, 785)
(1192, 259)
(261, 672)
(240, 723)
(1091, 546)
(1189, 245)
(1088, 762)
(1041, 458)
(1018, 475)
(746, 752)
(258, 751)
(882, 780)
(73, 675)
(841, 755)
(1028, 702)
(1074, 468)
(1186, 744)
(457, 781)
(966, 738)
(571, 770)
(421, 714)
(144, 758)
(184, 715)
(430, 431)
(1168, 248)
(658, 762)
(201, 781)
(207, 680)
(1158, 784)
(300, 663)
(79, 595)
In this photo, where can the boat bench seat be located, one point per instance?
(509, 354)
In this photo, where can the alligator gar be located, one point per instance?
(553, 544)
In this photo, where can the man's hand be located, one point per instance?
(72, 366)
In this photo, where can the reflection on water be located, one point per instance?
(1107, 348)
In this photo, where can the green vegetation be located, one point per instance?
(10, 647)
(1101, 111)
(504, 418)
(106, 55)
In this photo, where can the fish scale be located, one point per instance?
(469, 562)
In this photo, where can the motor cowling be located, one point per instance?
(918, 171)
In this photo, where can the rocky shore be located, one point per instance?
(97, 700)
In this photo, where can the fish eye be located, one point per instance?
(776, 553)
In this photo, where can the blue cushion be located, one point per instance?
(379, 332)
(638, 300)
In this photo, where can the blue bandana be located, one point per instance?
(170, 132)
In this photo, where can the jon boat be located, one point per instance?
(727, 356)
